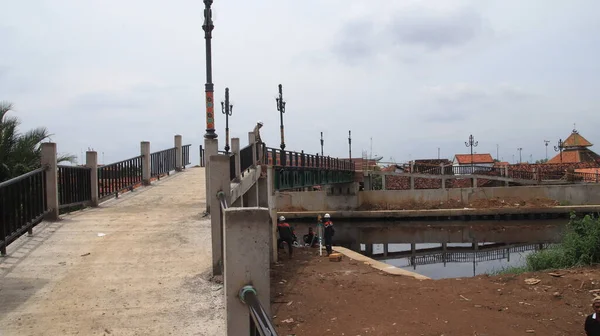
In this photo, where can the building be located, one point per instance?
(575, 150)
(480, 162)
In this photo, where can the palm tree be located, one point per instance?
(20, 152)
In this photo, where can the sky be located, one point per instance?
(406, 77)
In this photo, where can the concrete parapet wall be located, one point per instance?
(583, 194)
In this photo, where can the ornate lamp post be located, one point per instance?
(349, 144)
(209, 87)
(520, 159)
(281, 109)
(471, 143)
(559, 148)
(546, 142)
(321, 144)
(227, 110)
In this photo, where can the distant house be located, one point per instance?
(479, 162)
(575, 150)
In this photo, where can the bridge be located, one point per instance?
(134, 248)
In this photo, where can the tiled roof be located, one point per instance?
(501, 164)
(477, 158)
(574, 156)
(576, 140)
(436, 162)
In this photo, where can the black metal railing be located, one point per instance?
(22, 205)
(246, 158)
(279, 158)
(185, 155)
(232, 171)
(119, 176)
(74, 186)
(162, 162)
(260, 322)
(202, 159)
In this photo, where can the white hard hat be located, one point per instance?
(259, 122)
(327, 216)
(281, 218)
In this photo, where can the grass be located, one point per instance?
(580, 246)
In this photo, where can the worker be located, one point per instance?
(286, 234)
(259, 143)
(329, 232)
(592, 322)
(309, 239)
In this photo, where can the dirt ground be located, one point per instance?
(313, 296)
(492, 203)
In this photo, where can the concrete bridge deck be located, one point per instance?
(133, 266)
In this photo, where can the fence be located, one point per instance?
(22, 205)
(279, 158)
(119, 176)
(185, 155)
(74, 186)
(162, 162)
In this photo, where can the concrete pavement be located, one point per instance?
(134, 266)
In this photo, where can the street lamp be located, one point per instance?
(281, 109)
(349, 144)
(546, 142)
(321, 143)
(559, 148)
(520, 149)
(471, 143)
(209, 87)
(227, 110)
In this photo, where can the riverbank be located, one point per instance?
(313, 296)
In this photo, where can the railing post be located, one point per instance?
(145, 152)
(178, 153)
(235, 149)
(201, 156)
(246, 240)
(91, 161)
(211, 148)
(219, 182)
(48, 159)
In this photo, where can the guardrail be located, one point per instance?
(277, 157)
(202, 157)
(260, 322)
(22, 205)
(74, 186)
(185, 155)
(162, 162)
(119, 176)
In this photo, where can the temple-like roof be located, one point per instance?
(576, 140)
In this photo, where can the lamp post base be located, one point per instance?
(210, 134)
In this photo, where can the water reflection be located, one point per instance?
(455, 263)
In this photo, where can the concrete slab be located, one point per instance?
(146, 275)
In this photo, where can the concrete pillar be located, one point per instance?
(413, 254)
(367, 181)
(412, 183)
(475, 245)
(211, 147)
(272, 211)
(506, 171)
(369, 250)
(178, 153)
(145, 152)
(235, 149)
(385, 250)
(91, 161)
(252, 141)
(443, 183)
(219, 181)
(444, 252)
(383, 178)
(263, 192)
(474, 182)
(251, 197)
(48, 159)
(246, 263)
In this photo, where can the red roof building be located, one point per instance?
(478, 159)
(575, 150)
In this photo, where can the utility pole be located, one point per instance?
(321, 144)
(471, 143)
(281, 109)
(208, 27)
(559, 148)
(546, 142)
(520, 149)
(438, 153)
(349, 144)
(497, 152)
(227, 110)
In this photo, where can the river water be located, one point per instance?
(451, 269)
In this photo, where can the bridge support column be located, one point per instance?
(235, 149)
(178, 153)
(383, 184)
(369, 250)
(250, 198)
(246, 234)
(385, 249)
(412, 183)
(443, 183)
(146, 172)
(211, 148)
(444, 252)
(48, 159)
(263, 192)
(474, 182)
(413, 254)
(271, 198)
(219, 182)
(91, 161)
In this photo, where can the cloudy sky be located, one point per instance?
(411, 75)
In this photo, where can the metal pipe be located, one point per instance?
(261, 321)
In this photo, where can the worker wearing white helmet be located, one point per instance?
(329, 232)
(286, 234)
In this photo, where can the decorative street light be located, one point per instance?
(559, 148)
(520, 149)
(471, 143)
(546, 142)
(209, 87)
(349, 144)
(281, 109)
(227, 110)
(321, 143)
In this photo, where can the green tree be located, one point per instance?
(20, 152)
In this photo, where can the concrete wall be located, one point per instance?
(581, 194)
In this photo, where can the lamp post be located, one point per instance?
(227, 110)
(471, 143)
(349, 144)
(321, 144)
(209, 87)
(498, 152)
(281, 109)
(559, 148)
(520, 149)
(546, 142)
